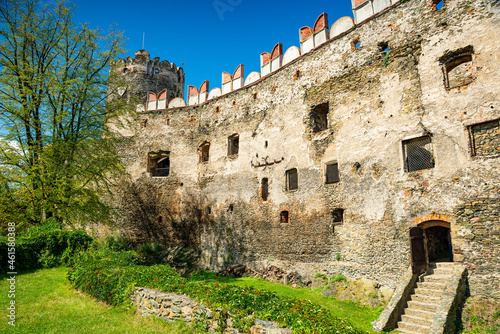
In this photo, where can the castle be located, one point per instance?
(326, 159)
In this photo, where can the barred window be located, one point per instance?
(418, 154)
(332, 173)
(233, 145)
(292, 179)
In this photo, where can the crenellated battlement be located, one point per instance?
(309, 39)
(142, 63)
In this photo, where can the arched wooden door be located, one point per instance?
(418, 256)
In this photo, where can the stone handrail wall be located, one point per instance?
(390, 316)
(171, 307)
(444, 321)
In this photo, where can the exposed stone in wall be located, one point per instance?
(377, 99)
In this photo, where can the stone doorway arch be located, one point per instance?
(437, 243)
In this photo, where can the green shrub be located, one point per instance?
(44, 247)
(112, 276)
(338, 278)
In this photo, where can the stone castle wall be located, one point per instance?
(378, 96)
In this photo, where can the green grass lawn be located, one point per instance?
(46, 303)
(359, 316)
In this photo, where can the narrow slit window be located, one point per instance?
(284, 217)
(292, 179)
(233, 145)
(264, 189)
(418, 154)
(332, 173)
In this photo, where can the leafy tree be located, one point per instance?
(56, 154)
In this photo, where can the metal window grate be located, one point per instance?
(418, 154)
(292, 179)
(332, 173)
(162, 167)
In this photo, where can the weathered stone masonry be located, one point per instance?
(416, 73)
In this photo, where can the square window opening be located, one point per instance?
(159, 164)
(418, 154)
(484, 138)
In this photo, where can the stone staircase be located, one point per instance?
(422, 305)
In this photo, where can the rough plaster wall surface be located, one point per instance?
(377, 99)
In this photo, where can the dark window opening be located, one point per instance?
(319, 117)
(458, 67)
(266, 144)
(437, 4)
(284, 219)
(383, 46)
(233, 145)
(168, 120)
(159, 164)
(484, 138)
(230, 208)
(144, 123)
(297, 74)
(234, 103)
(208, 210)
(264, 189)
(337, 217)
(204, 150)
(125, 70)
(292, 179)
(254, 95)
(418, 154)
(332, 173)
(160, 219)
(217, 109)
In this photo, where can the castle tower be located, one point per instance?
(135, 77)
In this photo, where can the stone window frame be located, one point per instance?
(204, 152)
(334, 213)
(289, 172)
(449, 61)
(153, 159)
(471, 141)
(325, 169)
(403, 151)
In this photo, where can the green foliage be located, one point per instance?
(338, 278)
(56, 152)
(386, 60)
(45, 247)
(337, 257)
(111, 277)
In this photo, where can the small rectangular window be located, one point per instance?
(319, 117)
(485, 138)
(418, 154)
(332, 173)
(284, 219)
(337, 217)
(292, 179)
(233, 145)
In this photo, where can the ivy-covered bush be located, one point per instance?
(112, 276)
(43, 247)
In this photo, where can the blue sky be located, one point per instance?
(209, 36)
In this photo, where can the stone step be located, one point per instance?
(442, 265)
(412, 328)
(428, 292)
(425, 299)
(420, 313)
(440, 271)
(433, 278)
(422, 306)
(416, 320)
(431, 285)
